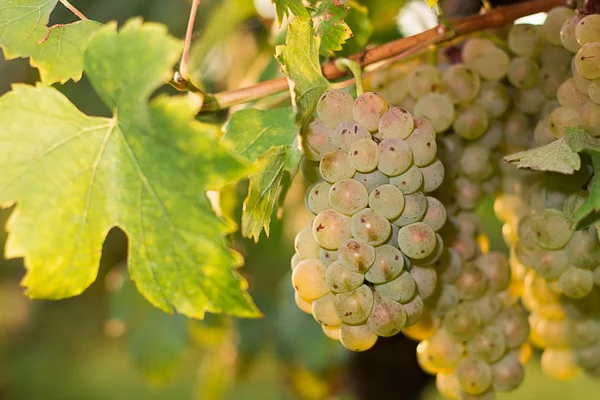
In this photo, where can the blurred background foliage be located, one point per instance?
(109, 343)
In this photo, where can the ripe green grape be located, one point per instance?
(468, 193)
(462, 322)
(423, 146)
(445, 299)
(369, 227)
(354, 307)
(336, 166)
(569, 97)
(331, 229)
(476, 162)
(474, 375)
(395, 156)
(436, 215)
(551, 229)
(388, 265)
(348, 197)
(541, 133)
(593, 91)
(317, 140)
(396, 123)
(582, 84)
(434, 256)
(554, 22)
(387, 318)
(525, 40)
(523, 73)
(581, 332)
(426, 280)
(357, 338)
(433, 176)
(303, 305)
(443, 351)
(589, 118)
(387, 200)
(496, 269)
(487, 345)
(587, 61)
(583, 250)
(372, 180)
(462, 82)
(587, 357)
(305, 244)
(568, 36)
(488, 306)
(472, 282)
(549, 264)
(410, 181)
(530, 101)
(514, 325)
(356, 256)
(473, 48)
(368, 109)
(295, 260)
(588, 29)
(401, 289)
(414, 309)
(318, 197)
(507, 373)
(423, 80)
(323, 310)
(308, 278)
(438, 109)
(494, 98)
(492, 64)
(350, 132)
(417, 240)
(335, 107)
(415, 207)
(576, 282)
(516, 128)
(550, 78)
(449, 266)
(465, 245)
(327, 257)
(471, 122)
(447, 385)
(340, 279)
(547, 332)
(469, 222)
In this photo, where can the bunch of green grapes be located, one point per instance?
(359, 265)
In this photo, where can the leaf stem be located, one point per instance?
(345, 64)
(394, 50)
(184, 64)
(74, 10)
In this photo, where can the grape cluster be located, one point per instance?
(362, 267)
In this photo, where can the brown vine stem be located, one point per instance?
(73, 9)
(495, 18)
(183, 65)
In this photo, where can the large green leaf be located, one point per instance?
(330, 25)
(145, 170)
(299, 59)
(285, 8)
(57, 51)
(556, 156)
(269, 139)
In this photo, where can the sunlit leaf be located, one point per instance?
(556, 156)
(330, 25)
(286, 8)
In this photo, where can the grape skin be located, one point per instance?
(588, 29)
(402, 289)
(410, 181)
(435, 216)
(348, 197)
(354, 307)
(423, 147)
(417, 240)
(396, 123)
(323, 310)
(336, 166)
(357, 338)
(317, 140)
(368, 109)
(318, 197)
(387, 200)
(331, 229)
(433, 176)
(369, 227)
(305, 244)
(387, 318)
(474, 376)
(351, 132)
(340, 279)
(388, 265)
(372, 180)
(303, 305)
(524, 40)
(356, 256)
(437, 108)
(335, 107)
(308, 278)
(415, 207)
(471, 122)
(426, 280)
(395, 156)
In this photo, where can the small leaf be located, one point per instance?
(284, 8)
(330, 25)
(431, 3)
(556, 156)
(579, 141)
(56, 51)
(592, 204)
(299, 59)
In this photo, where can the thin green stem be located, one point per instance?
(73, 9)
(183, 65)
(345, 64)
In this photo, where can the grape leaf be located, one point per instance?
(360, 24)
(299, 59)
(330, 25)
(592, 204)
(268, 138)
(285, 8)
(556, 156)
(145, 170)
(431, 3)
(579, 141)
(56, 51)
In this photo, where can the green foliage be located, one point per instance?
(145, 170)
(330, 26)
(361, 26)
(556, 156)
(57, 51)
(285, 8)
(267, 138)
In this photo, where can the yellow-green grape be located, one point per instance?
(401, 289)
(472, 282)
(587, 62)
(465, 245)
(587, 357)
(369, 227)
(423, 146)
(550, 78)
(410, 181)
(436, 215)
(569, 97)
(308, 278)
(328, 256)
(437, 108)
(332, 332)
(554, 22)
(462, 322)
(295, 260)
(581, 332)
(468, 222)
(525, 232)
(336, 166)
(417, 240)
(340, 279)
(582, 84)
(318, 197)
(323, 310)
(387, 200)
(443, 351)
(547, 332)
(317, 140)
(449, 266)
(444, 300)
(334, 107)
(568, 36)
(525, 40)
(586, 307)
(514, 325)
(395, 156)
(387, 318)
(303, 304)
(555, 56)
(415, 207)
(371, 180)
(357, 338)
(523, 73)
(331, 229)
(488, 306)
(588, 29)
(530, 101)
(559, 364)
(594, 91)
(476, 162)
(414, 309)
(488, 344)
(356, 256)
(424, 79)
(447, 385)
(551, 229)
(364, 155)
(596, 276)
(471, 122)
(305, 244)
(507, 373)
(435, 255)
(549, 264)
(541, 133)
(388, 265)
(492, 64)
(426, 280)
(351, 132)
(396, 123)
(354, 307)
(473, 48)
(474, 376)
(368, 109)
(516, 128)
(576, 282)
(494, 98)
(583, 250)
(348, 197)
(462, 83)
(433, 176)
(589, 118)
(496, 268)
